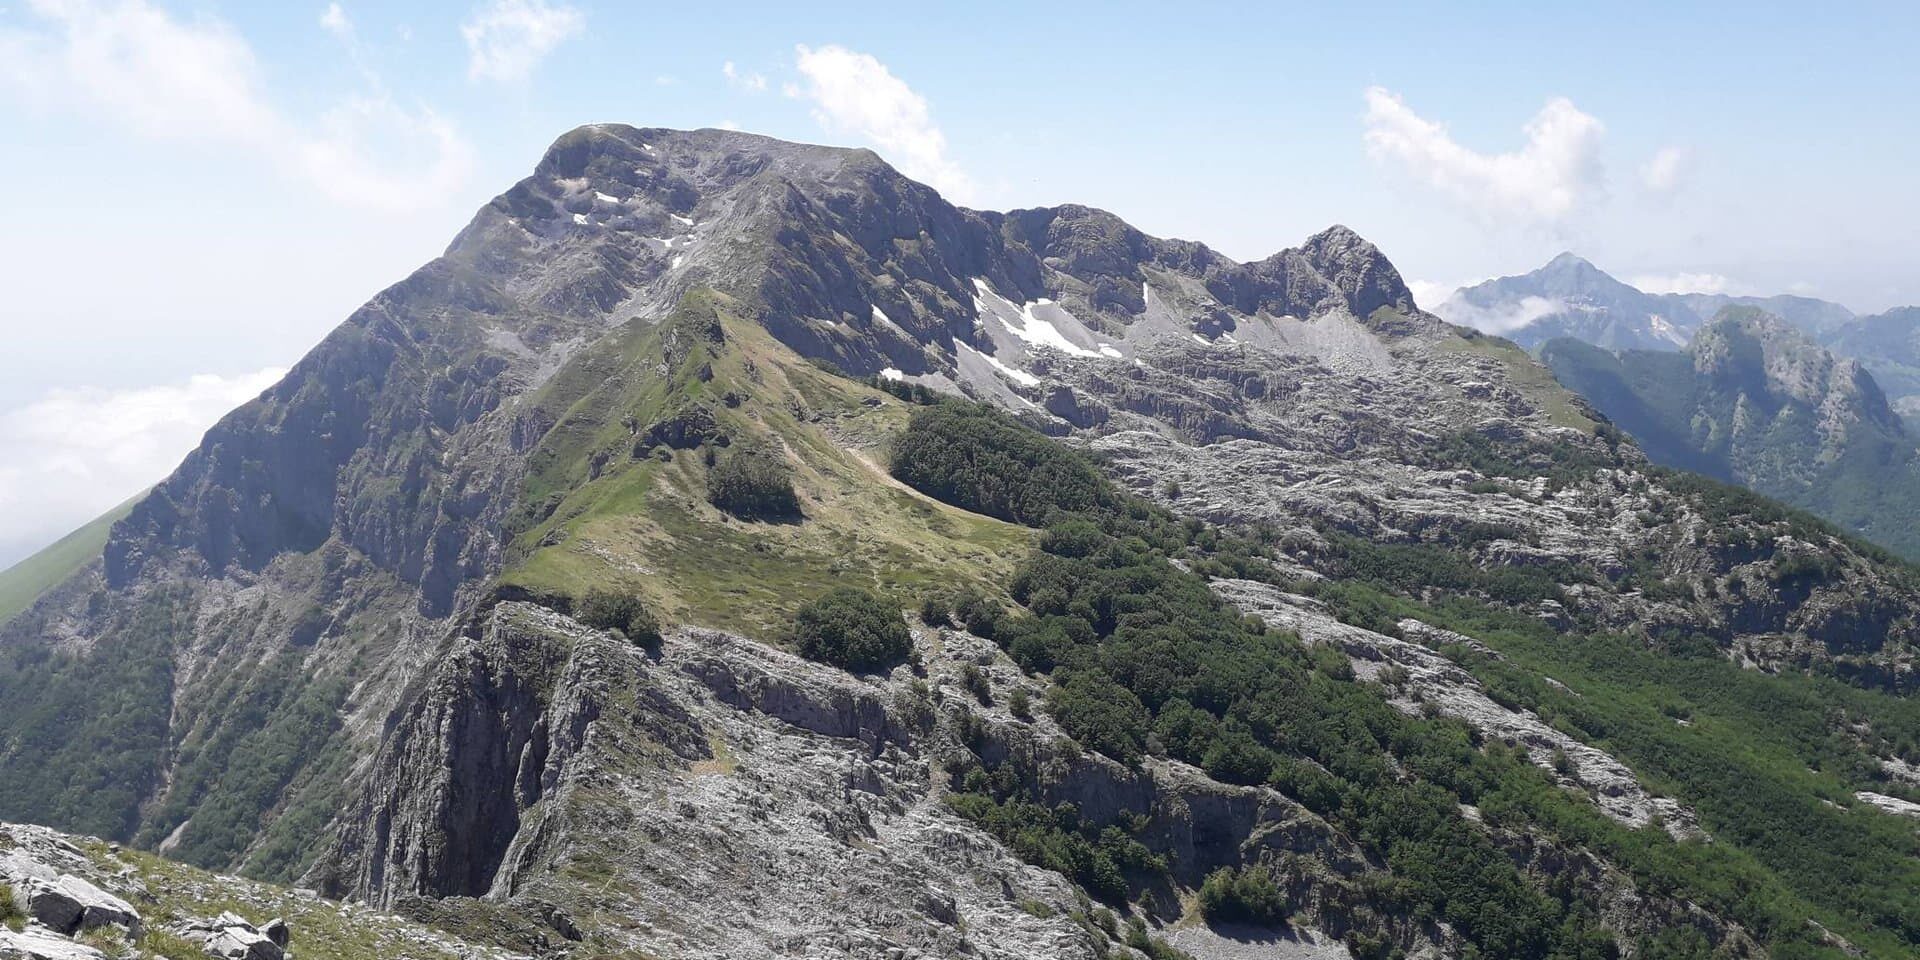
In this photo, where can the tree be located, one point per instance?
(1243, 895)
(609, 610)
(753, 482)
(852, 629)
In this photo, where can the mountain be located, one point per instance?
(729, 548)
(1888, 345)
(1815, 318)
(1754, 401)
(1570, 297)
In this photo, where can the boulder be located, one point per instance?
(231, 937)
(243, 943)
(36, 943)
(69, 905)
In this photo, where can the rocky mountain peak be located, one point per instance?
(1359, 271)
(1755, 351)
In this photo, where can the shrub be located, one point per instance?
(608, 610)
(753, 482)
(1244, 895)
(1019, 704)
(852, 629)
(11, 916)
(936, 610)
(976, 683)
(977, 613)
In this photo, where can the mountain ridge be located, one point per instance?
(347, 640)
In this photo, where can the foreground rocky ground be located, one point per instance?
(80, 898)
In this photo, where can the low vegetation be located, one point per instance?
(625, 612)
(753, 482)
(852, 629)
(1143, 657)
(1244, 894)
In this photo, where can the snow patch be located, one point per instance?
(1110, 351)
(1199, 339)
(892, 373)
(580, 218)
(683, 221)
(1019, 376)
(676, 262)
(604, 198)
(1037, 323)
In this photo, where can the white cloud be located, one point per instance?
(1552, 176)
(74, 453)
(1682, 283)
(1500, 319)
(750, 82)
(334, 20)
(1664, 172)
(135, 65)
(855, 93)
(1429, 292)
(506, 39)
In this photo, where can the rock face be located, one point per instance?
(312, 672)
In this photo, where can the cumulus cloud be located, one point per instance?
(854, 93)
(507, 39)
(334, 20)
(1498, 319)
(1553, 175)
(74, 453)
(1426, 293)
(1666, 170)
(135, 65)
(1682, 283)
(738, 79)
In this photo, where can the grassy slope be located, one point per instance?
(1528, 376)
(25, 581)
(643, 523)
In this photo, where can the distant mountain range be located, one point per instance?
(1755, 401)
(1570, 297)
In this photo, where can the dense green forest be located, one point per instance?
(1142, 656)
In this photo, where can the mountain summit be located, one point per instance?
(730, 548)
(1570, 297)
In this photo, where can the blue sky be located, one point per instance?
(197, 191)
